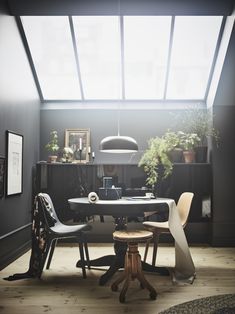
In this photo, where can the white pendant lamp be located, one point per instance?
(118, 144)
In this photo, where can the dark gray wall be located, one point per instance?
(140, 124)
(224, 157)
(19, 112)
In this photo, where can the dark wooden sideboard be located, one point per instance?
(63, 181)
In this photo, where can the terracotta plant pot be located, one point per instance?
(52, 158)
(189, 156)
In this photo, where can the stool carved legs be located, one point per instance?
(133, 270)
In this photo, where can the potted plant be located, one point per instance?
(155, 155)
(200, 121)
(173, 142)
(52, 146)
(188, 143)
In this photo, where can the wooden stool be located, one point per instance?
(133, 266)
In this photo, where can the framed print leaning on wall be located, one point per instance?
(2, 176)
(14, 177)
(79, 141)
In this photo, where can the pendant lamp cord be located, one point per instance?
(119, 119)
(119, 105)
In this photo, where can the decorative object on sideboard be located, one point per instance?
(52, 147)
(67, 155)
(93, 156)
(79, 141)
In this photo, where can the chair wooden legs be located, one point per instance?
(155, 247)
(133, 270)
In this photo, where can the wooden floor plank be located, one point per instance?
(63, 290)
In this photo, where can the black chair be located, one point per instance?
(55, 229)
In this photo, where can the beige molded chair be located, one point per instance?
(183, 206)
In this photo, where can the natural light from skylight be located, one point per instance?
(126, 58)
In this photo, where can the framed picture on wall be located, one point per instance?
(79, 141)
(14, 176)
(2, 176)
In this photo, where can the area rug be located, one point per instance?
(218, 304)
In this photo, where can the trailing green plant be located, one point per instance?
(156, 154)
(52, 145)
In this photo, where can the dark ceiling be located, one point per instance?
(121, 7)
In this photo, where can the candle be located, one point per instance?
(80, 143)
(93, 155)
(89, 149)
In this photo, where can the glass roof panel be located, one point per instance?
(99, 53)
(50, 43)
(194, 43)
(146, 46)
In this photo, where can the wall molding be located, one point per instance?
(14, 231)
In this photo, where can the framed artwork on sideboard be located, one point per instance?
(79, 141)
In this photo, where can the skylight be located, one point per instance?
(51, 47)
(146, 46)
(98, 44)
(193, 49)
(123, 58)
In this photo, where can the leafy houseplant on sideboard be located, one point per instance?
(200, 121)
(52, 146)
(188, 142)
(173, 142)
(155, 155)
